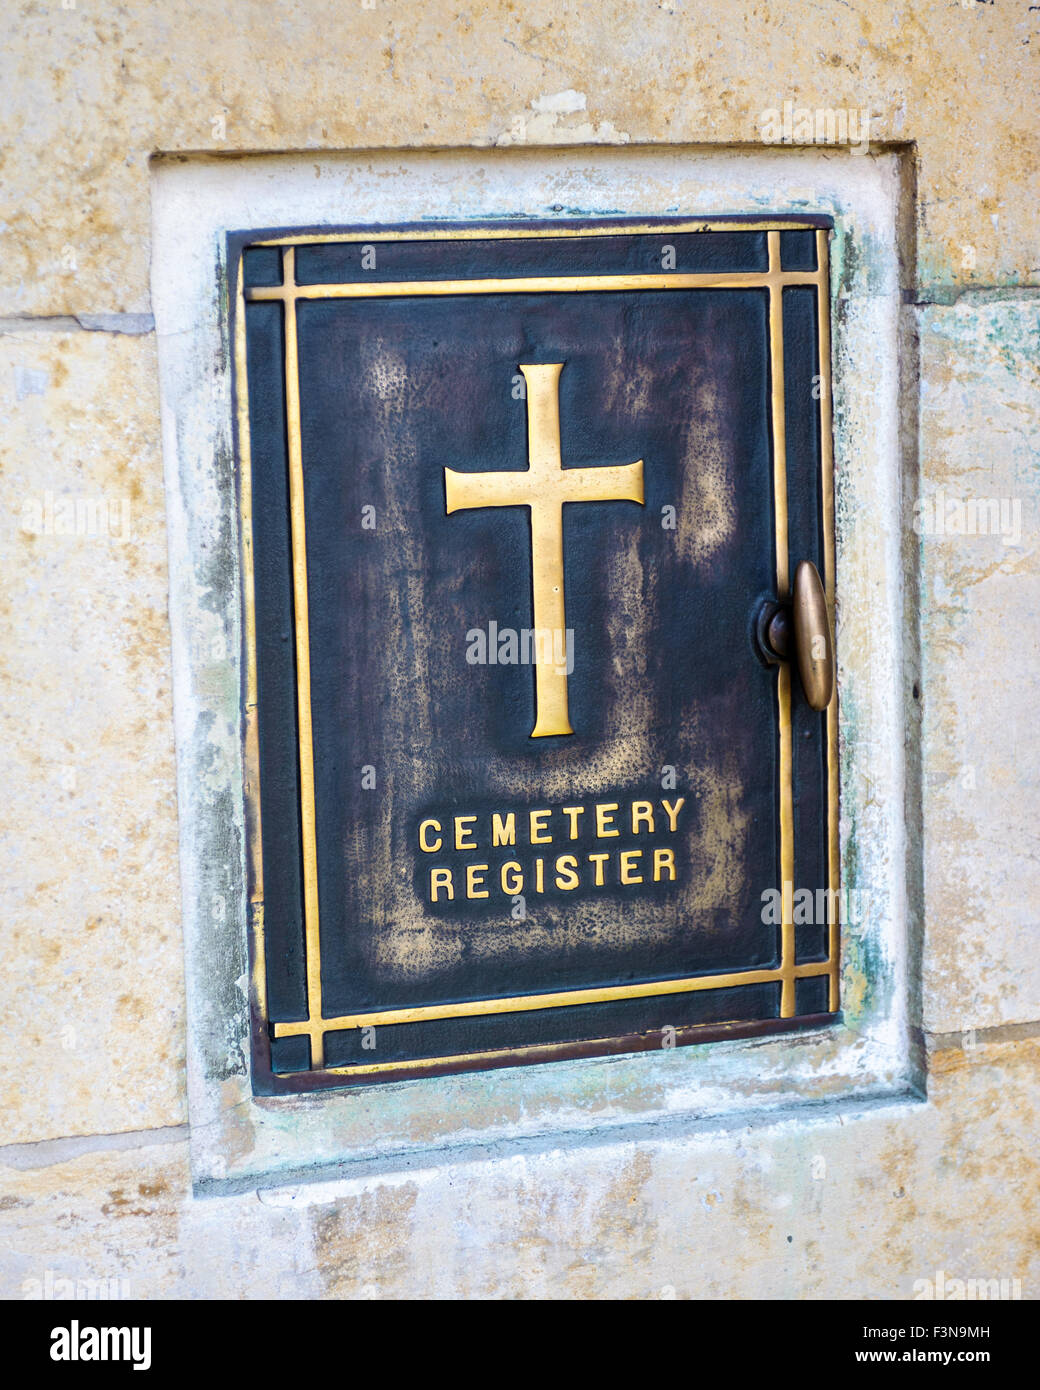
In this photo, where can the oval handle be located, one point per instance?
(813, 640)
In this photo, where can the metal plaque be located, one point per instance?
(540, 725)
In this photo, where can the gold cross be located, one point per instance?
(544, 487)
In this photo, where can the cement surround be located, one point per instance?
(239, 1141)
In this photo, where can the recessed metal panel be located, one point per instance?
(522, 783)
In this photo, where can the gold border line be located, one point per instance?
(534, 284)
(600, 227)
(301, 619)
(521, 1055)
(774, 280)
(251, 713)
(823, 335)
(530, 1003)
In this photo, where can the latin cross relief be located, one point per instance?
(544, 487)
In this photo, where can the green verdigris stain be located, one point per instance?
(866, 978)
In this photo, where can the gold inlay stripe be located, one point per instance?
(251, 717)
(534, 284)
(526, 1003)
(823, 319)
(783, 678)
(550, 232)
(297, 511)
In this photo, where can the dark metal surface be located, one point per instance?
(669, 699)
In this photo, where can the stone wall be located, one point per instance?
(845, 1200)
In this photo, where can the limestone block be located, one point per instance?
(877, 1203)
(979, 521)
(91, 92)
(92, 985)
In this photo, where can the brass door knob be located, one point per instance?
(800, 630)
(813, 640)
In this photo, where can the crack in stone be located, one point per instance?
(135, 325)
(47, 1153)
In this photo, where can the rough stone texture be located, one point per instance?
(92, 92)
(92, 985)
(860, 1208)
(980, 438)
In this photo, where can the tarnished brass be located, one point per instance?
(779, 633)
(774, 636)
(813, 642)
(545, 487)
